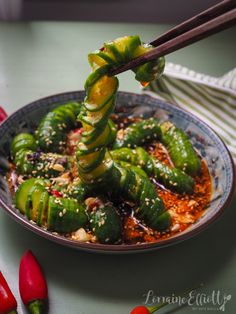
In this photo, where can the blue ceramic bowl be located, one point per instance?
(205, 140)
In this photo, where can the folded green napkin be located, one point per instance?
(212, 99)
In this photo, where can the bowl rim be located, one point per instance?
(121, 248)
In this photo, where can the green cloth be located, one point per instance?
(212, 99)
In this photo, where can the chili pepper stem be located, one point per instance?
(153, 309)
(36, 307)
(12, 312)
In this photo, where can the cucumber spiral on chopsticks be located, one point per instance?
(95, 163)
(99, 173)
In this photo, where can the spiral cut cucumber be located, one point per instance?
(56, 213)
(51, 133)
(29, 161)
(172, 178)
(65, 215)
(180, 149)
(95, 164)
(105, 222)
(138, 133)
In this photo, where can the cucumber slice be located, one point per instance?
(98, 96)
(106, 224)
(111, 48)
(65, 215)
(42, 209)
(22, 193)
(150, 71)
(98, 173)
(32, 206)
(23, 141)
(127, 45)
(23, 165)
(113, 132)
(99, 119)
(117, 51)
(101, 135)
(86, 166)
(95, 76)
(100, 58)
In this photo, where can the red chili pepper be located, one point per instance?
(3, 114)
(140, 310)
(56, 193)
(8, 303)
(32, 284)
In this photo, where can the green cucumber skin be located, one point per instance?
(136, 169)
(65, 215)
(139, 189)
(134, 42)
(33, 205)
(22, 192)
(172, 178)
(23, 141)
(180, 149)
(29, 202)
(43, 207)
(106, 224)
(113, 133)
(94, 164)
(47, 208)
(40, 166)
(139, 133)
(111, 47)
(77, 191)
(150, 71)
(102, 121)
(23, 166)
(51, 133)
(102, 55)
(95, 76)
(22, 145)
(30, 162)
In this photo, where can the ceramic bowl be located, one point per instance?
(204, 139)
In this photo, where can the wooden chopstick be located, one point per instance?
(195, 21)
(212, 26)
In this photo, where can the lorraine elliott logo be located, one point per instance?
(215, 300)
